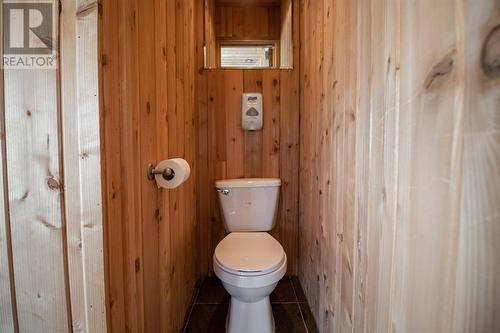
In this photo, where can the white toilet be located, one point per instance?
(249, 261)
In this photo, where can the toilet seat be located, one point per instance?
(249, 254)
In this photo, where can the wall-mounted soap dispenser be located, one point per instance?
(252, 112)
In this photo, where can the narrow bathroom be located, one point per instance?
(249, 166)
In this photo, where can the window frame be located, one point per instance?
(274, 44)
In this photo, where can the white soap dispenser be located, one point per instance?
(252, 112)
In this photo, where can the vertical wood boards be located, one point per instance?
(209, 38)
(181, 60)
(478, 272)
(147, 153)
(114, 251)
(429, 166)
(8, 321)
(130, 166)
(378, 115)
(287, 34)
(162, 21)
(328, 100)
(287, 230)
(405, 123)
(52, 124)
(35, 196)
(123, 195)
(238, 22)
(149, 115)
(229, 152)
(80, 116)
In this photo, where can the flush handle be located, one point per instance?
(224, 191)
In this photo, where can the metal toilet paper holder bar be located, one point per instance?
(168, 173)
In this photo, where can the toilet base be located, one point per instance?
(255, 317)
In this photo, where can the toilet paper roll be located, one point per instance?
(181, 169)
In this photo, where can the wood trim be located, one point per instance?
(104, 185)
(62, 184)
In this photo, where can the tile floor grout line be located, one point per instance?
(302, 316)
(298, 304)
(192, 306)
(294, 292)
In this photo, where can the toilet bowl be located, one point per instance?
(249, 261)
(250, 265)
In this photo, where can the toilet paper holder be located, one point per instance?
(168, 173)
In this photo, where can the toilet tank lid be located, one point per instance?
(248, 182)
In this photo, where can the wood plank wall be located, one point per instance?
(478, 267)
(327, 144)
(8, 315)
(82, 158)
(35, 197)
(250, 21)
(148, 72)
(51, 275)
(227, 151)
(400, 152)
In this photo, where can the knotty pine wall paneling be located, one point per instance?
(399, 165)
(227, 151)
(423, 220)
(327, 141)
(149, 115)
(478, 266)
(51, 275)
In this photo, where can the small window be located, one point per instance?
(247, 56)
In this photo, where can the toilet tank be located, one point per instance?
(249, 204)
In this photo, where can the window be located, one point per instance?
(247, 56)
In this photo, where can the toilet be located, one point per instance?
(249, 261)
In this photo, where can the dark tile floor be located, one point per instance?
(290, 308)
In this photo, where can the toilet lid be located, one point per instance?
(250, 252)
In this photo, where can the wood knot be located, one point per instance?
(46, 223)
(441, 69)
(25, 196)
(490, 54)
(53, 184)
(137, 265)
